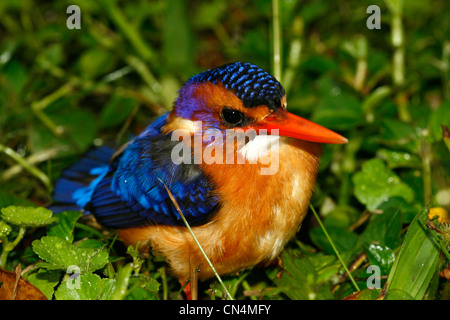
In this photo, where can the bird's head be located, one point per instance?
(242, 96)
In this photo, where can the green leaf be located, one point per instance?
(399, 159)
(16, 75)
(64, 225)
(365, 294)
(116, 111)
(417, 261)
(399, 134)
(208, 14)
(61, 254)
(8, 199)
(384, 228)
(381, 256)
(299, 278)
(177, 37)
(27, 216)
(344, 240)
(91, 287)
(439, 118)
(319, 63)
(341, 216)
(375, 183)
(95, 62)
(90, 243)
(337, 109)
(327, 266)
(51, 55)
(75, 139)
(143, 288)
(45, 280)
(396, 294)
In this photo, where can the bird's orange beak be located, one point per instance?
(290, 125)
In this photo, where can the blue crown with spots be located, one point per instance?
(251, 84)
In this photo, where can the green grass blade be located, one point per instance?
(335, 249)
(196, 241)
(417, 261)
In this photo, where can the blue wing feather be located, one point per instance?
(127, 192)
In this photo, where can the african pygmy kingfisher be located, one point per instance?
(240, 216)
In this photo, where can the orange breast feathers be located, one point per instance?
(258, 215)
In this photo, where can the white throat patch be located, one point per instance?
(260, 146)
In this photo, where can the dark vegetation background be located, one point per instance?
(63, 91)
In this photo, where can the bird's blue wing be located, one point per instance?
(127, 192)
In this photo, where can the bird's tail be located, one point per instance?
(72, 189)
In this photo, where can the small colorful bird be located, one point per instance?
(240, 216)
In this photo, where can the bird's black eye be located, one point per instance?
(232, 117)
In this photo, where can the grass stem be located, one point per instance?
(9, 246)
(196, 241)
(276, 39)
(27, 166)
(334, 248)
(426, 172)
(128, 30)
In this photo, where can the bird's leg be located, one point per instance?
(193, 271)
(186, 289)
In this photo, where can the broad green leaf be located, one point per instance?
(299, 278)
(399, 135)
(341, 216)
(45, 280)
(27, 216)
(381, 256)
(375, 183)
(16, 75)
(143, 288)
(396, 294)
(337, 109)
(8, 199)
(344, 240)
(86, 287)
(90, 243)
(75, 139)
(64, 225)
(399, 159)
(116, 111)
(61, 254)
(327, 267)
(417, 261)
(365, 294)
(384, 227)
(95, 62)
